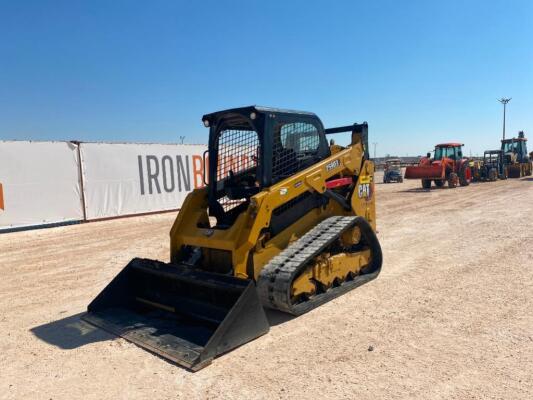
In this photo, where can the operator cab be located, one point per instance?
(516, 146)
(491, 156)
(251, 148)
(448, 150)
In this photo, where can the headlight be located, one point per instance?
(206, 123)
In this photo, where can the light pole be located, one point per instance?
(504, 101)
(375, 145)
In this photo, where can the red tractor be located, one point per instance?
(448, 165)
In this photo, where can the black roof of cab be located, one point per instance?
(257, 109)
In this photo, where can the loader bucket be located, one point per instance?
(424, 172)
(182, 314)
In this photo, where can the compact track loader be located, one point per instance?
(286, 222)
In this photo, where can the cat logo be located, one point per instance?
(364, 191)
(1, 197)
(365, 187)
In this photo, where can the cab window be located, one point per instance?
(449, 152)
(301, 137)
(296, 146)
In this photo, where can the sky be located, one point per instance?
(419, 72)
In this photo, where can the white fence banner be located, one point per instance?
(130, 178)
(39, 183)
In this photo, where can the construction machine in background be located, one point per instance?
(475, 165)
(516, 161)
(490, 168)
(393, 171)
(447, 165)
(284, 222)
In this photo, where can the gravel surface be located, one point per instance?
(450, 316)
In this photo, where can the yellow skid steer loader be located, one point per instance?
(286, 221)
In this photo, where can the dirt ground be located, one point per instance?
(450, 316)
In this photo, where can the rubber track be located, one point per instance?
(276, 278)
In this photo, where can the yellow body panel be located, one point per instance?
(327, 269)
(246, 238)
